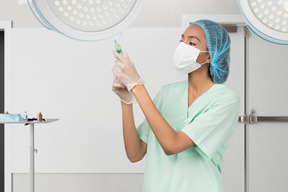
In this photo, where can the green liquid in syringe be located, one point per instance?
(117, 47)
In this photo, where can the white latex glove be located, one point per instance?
(125, 95)
(125, 71)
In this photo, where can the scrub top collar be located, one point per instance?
(195, 103)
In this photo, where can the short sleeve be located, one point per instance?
(143, 131)
(213, 128)
(144, 128)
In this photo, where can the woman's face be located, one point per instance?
(195, 36)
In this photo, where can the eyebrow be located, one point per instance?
(192, 37)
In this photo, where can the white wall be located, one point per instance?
(72, 81)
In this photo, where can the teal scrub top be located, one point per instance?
(209, 122)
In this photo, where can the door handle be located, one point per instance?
(252, 118)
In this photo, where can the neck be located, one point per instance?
(199, 81)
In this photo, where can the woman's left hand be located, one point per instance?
(125, 71)
(125, 95)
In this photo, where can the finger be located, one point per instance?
(115, 89)
(118, 85)
(125, 55)
(119, 63)
(116, 70)
(118, 73)
(118, 56)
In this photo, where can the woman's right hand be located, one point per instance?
(125, 95)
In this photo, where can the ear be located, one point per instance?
(208, 60)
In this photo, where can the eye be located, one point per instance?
(181, 41)
(192, 44)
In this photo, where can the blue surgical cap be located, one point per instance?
(218, 43)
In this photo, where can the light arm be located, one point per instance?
(172, 142)
(135, 148)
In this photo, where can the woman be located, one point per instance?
(188, 124)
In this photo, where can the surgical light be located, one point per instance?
(267, 19)
(86, 20)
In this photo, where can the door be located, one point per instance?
(267, 93)
(2, 173)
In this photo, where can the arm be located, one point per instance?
(172, 142)
(134, 146)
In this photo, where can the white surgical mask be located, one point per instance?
(185, 58)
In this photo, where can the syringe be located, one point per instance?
(117, 47)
